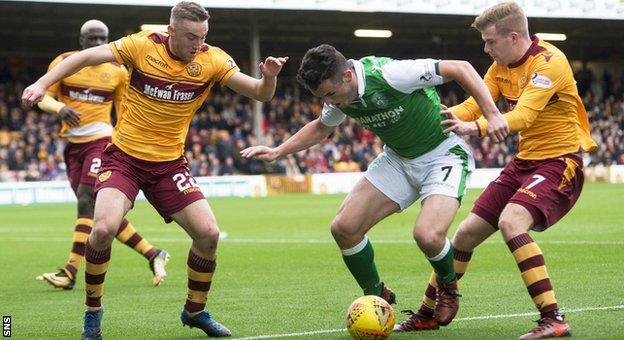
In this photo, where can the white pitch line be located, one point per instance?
(299, 241)
(473, 318)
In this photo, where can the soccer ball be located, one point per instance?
(370, 317)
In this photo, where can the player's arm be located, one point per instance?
(548, 77)
(261, 89)
(67, 113)
(465, 75)
(70, 65)
(469, 110)
(309, 135)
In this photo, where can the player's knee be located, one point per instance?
(208, 236)
(508, 225)
(427, 236)
(342, 228)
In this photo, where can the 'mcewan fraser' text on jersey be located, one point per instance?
(542, 103)
(90, 91)
(163, 93)
(397, 102)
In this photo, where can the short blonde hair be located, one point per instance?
(507, 17)
(188, 10)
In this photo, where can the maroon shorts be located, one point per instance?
(548, 189)
(83, 161)
(168, 186)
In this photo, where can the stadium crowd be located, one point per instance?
(30, 149)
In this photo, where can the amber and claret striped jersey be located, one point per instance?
(542, 103)
(90, 91)
(163, 93)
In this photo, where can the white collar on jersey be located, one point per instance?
(359, 72)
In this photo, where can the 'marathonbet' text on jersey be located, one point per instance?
(163, 93)
(543, 103)
(90, 91)
(397, 102)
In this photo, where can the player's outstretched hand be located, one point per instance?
(33, 94)
(454, 124)
(497, 128)
(272, 66)
(261, 152)
(70, 116)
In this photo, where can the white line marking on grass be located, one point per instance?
(472, 318)
(300, 241)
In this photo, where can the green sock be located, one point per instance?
(361, 264)
(443, 263)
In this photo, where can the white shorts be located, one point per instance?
(441, 171)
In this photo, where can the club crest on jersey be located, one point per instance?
(103, 177)
(522, 81)
(193, 69)
(105, 77)
(231, 63)
(380, 100)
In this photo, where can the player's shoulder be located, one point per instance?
(548, 54)
(209, 54)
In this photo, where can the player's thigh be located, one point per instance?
(111, 205)
(198, 220)
(551, 190)
(490, 204)
(472, 231)
(174, 190)
(364, 207)
(436, 214)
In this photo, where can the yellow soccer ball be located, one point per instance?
(370, 317)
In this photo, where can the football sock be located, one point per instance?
(443, 263)
(361, 263)
(130, 237)
(81, 234)
(95, 272)
(461, 259)
(200, 271)
(530, 260)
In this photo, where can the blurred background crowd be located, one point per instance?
(30, 149)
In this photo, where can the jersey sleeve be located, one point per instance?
(410, 75)
(54, 90)
(331, 115)
(469, 110)
(224, 66)
(128, 49)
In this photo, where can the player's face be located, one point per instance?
(498, 46)
(187, 38)
(341, 93)
(94, 37)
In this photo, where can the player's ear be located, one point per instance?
(170, 30)
(347, 75)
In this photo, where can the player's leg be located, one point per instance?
(544, 197)
(364, 207)
(200, 223)
(111, 206)
(115, 193)
(82, 163)
(177, 197)
(471, 232)
(157, 258)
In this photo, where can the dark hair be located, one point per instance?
(321, 63)
(188, 10)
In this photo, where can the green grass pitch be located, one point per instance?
(279, 274)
